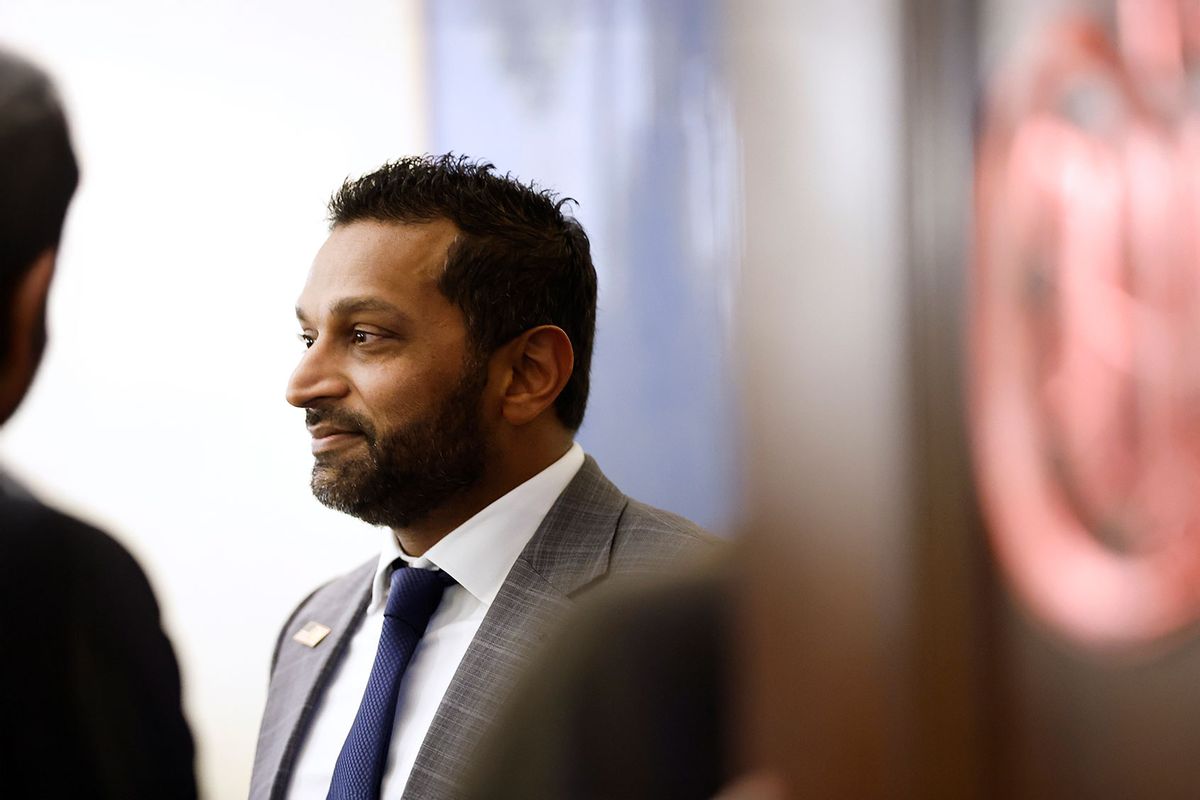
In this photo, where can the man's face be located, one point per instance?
(389, 383)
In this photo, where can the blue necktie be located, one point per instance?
(413, 598)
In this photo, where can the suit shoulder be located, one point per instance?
(28, 522)
(94, 667)
(649, 539)
(639, 514)
(37, 537)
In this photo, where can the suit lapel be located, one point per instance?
(569, 551)
(300, 676)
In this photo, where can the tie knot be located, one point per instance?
(415, 595)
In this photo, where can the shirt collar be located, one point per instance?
(481, 552)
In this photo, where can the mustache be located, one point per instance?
(346, 420)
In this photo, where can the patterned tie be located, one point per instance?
(413, 598)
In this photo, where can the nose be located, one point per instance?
(315, 378)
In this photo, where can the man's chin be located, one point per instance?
(337, 497)
(332, 486)
(353, 504)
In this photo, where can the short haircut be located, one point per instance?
(38, 174)
(518, 261)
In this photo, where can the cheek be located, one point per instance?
(391, 399)
(398, 396)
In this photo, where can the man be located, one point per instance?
(89, 689)
(449, 321)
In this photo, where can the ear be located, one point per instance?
(26, 335)
(537, 365)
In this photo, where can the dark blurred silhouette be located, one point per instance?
(631, 699)
(89, 687)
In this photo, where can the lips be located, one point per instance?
(324, 430)
(334, 428)
(326, 437)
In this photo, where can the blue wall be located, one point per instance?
(620, 104)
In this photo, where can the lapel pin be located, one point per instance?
(311, 634)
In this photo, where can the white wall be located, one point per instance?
(210, 135)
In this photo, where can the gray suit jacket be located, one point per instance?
(593, 530)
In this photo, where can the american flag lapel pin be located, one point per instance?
(311, 634)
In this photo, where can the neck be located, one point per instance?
(498, 480)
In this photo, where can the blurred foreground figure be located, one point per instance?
(631, 699)
(89, 688)
(448, 321)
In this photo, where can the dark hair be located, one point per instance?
(38, 174)
(519, 261)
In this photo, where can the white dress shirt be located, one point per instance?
(479, 555)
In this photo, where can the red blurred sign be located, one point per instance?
(1085, 323)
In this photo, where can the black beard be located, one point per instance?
(406, 473)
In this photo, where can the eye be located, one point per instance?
(308, 340)
(365, 337)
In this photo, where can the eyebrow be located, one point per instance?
(357, 305)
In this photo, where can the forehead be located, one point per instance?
(399, 263)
